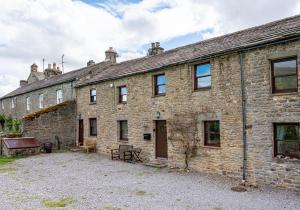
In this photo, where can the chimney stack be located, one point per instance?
(54, 66)
(111, 55)
(155, 49)
(90, 62)
(34, 67)
(23, 83)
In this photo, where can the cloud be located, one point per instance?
(35, 29)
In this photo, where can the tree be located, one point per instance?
(183, 128)
(2, 121)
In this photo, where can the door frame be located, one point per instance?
(157, 157)
(80, 132)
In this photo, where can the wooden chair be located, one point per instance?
(90, 144)
(118, 154)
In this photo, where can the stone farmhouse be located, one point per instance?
(242, 89)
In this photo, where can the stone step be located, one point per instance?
(156, 164)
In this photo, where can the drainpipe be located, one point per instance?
(244, 116)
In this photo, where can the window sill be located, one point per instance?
(123, 140)
(286, 159)
(159, 95)
(92, 136)
(284, 94)
(93, 103)
(122, 103)
(202, 89)
(211, 147)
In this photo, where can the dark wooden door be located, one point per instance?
(161, 139)
(80, 134)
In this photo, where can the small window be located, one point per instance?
(160, 84)
(93, 95)
(123, 94)
(93, 127)
(28, 103)
(212, 133)
(123, 130)
(202, 76)
(59, 96)
(41, 101)
(13, 102)
(284, 75)
(286, 137)
(2, 104)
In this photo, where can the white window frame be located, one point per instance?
(41, 101)
(59, 96)
(2, 104)
(28, 103)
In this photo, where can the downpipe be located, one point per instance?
(243, 116)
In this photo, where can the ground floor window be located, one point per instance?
(93, 127)
(123, 130)
(212, 133)
(286, 137)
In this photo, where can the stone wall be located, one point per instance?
(222, 101)
(49, 100)
(47, 126)
(265, 108)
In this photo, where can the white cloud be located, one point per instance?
(35, 29)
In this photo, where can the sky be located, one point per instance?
(31, 30)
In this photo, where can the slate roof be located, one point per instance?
(58, 79)
(39, 75)
(266, 33)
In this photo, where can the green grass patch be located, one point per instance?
(5, 160)
(61, 203)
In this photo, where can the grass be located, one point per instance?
(5, 160)
(61, 203)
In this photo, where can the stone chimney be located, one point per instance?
(34, 67)
(90, 62)
(52, 70)
(155, 49)
(23, 83)
(111, 55)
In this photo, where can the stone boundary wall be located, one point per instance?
(47, 126)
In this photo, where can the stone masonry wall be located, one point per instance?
(59, 123)
(49, 100)
(221, 102)
(265, 108)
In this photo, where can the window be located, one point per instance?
(284, 75)
(28, 103)
(13, 102)
(93, 95)
(202, 76)
(286, 137)
(123, 94)
(2, 104)
(93, 127)
(123, 130)
(160, 84)
(41, 101)
(212, 133)
(59, 96)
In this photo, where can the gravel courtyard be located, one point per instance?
(90, 181)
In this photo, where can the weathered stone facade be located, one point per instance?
(49, 93)
(222, 102)
(265, 108)
(53, 126)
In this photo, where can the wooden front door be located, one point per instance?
(161, 139)
(80, 133)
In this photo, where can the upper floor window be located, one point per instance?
(59, 96)
(284, 75)
(202, 76)
(93, 126)
(2, 104)
(212, 133)
(41, 101)
(123, 125)
(13, 102)
(287, 141)
(160, 84)
(123, 94)
(28, 103)
(93, 95)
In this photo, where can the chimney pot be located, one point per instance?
(49, 65)
(54, 66)
(111, 55)
(34, 67)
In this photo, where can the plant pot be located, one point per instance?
(48, 147)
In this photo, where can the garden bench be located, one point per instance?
(90, 144)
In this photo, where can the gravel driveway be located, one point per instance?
(90, 181)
